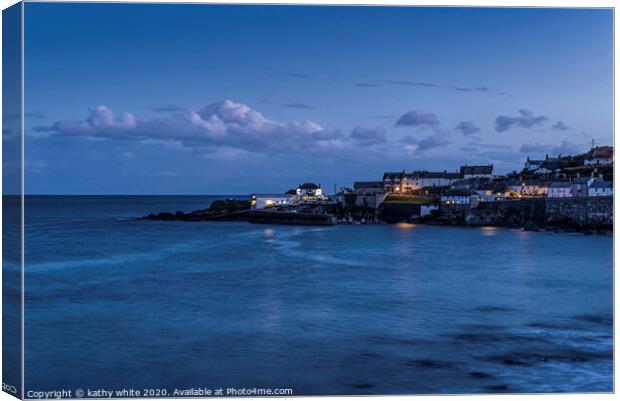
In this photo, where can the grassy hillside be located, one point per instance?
(409, 199)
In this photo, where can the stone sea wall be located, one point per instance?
(592, 212)
(583, 212)
(395, 212)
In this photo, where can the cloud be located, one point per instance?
(491, 146)
(432, 141)
(526, 119)
(564, 148)
(534, 148)
(299, 106)
(223, 124)
(297, 75)
(411, 83)
(415, 118)
(368, 136)
(366, 85)
(101, 122)
(474, 89)
(171, 108)
(479, 89)
(560, 126)
(467, 128)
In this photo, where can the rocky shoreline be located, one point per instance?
(236, 210)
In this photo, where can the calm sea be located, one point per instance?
(113, 302)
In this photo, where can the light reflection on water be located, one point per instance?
(488, 231)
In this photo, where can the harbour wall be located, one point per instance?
(395, 212)
(586, 212)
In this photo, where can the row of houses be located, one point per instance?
(596, 156)
(402, 182)
(580, 187)
(469, 184)
(496, 190)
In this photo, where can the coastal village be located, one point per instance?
(565, 176)
(569, 191)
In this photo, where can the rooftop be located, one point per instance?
(600, 152)
(600, 183)
(560, 184)
(469, 170)
(431, 174)
(392, 175)
(457, 192)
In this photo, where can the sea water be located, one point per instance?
(114, 302)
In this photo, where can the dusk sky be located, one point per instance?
(205, 99)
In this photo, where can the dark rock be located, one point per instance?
(480, 375)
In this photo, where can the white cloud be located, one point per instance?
(223, 124)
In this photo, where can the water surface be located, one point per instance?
(113, 302)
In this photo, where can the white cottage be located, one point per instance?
(459, 197)
(310, 190)
(599, 155)
(560, 189)
(600, 187)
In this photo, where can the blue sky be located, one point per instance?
(206, 99)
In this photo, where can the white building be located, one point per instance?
(560, 189)
(599, 155)
(600, 187)
(533, 165)
(581, 185)
(402, 182)
(459, 197)
(263, 201)
(309, 189)
(392, 182)
(486, 192)
(534, 188)
(426, 179)
(546, 166)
